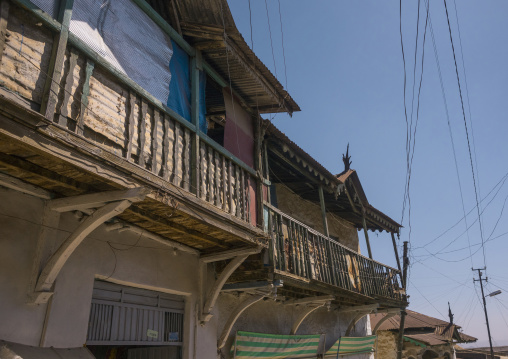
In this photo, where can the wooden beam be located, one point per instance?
(126, 226)
(47, 230)
(80, 126)
(361, 308)
(233, 317)
(250, 286)
(396, 252)
(195, 142)
(323, 211)
(59, 258)
(310, 300)
(355, 320)
(365, 232)
(382, 320)
(303, 315)
(51, 86)
(21, 186)
(214, 292)
(209, 258)
(95, 200)
(4, 14)
(182, 229)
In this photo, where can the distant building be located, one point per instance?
(424, 337)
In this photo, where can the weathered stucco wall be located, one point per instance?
(310, 214)
(145, 265)
(268, 316)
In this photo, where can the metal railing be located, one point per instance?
(299, 250)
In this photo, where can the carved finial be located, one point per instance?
(450, 314)
(347, 159)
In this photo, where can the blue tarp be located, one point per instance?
(179, 98)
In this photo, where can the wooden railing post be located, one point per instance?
(56, 64)
(196, 66)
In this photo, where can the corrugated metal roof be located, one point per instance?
(429, 339)
(203, 23)
(441, 330)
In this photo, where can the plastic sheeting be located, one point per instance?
(48, 6)
(180, 87)
(124, 35)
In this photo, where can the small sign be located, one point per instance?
(152, 333)
(173, 336)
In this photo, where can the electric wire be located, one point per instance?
(271, 41)
(283, 52)
(467, 134)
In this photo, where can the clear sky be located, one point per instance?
(344, 68)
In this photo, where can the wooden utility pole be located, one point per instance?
(484, 306)
(403, 309)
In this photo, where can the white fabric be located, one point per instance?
(124, 35)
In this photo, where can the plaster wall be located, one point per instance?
(310, 214)
(135, 262)
(274, 317)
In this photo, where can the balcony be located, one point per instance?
(301, 254)
(90, 128)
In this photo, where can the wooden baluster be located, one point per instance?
(131, 124)
(177, 177)
(155, 140)
(230, 188)
(80, 125)
(165, 149)
(224, 186)
(142, 134)
(237, 192)
(69, 81)
(242, 193)
(218, 171)
(203, 174)
(248, 199)
(187, 160)
(211, 171)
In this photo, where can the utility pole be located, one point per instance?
(484, 306)
(405, 260)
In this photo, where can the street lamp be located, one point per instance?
(493, 293)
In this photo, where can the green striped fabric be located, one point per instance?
(257, 345)
(352, 345)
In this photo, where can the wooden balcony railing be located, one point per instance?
(299, 250)
(96, 101)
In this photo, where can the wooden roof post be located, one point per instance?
(196, 65)
(396, 253)
(323, 211)
(366, 234)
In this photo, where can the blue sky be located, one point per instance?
(344, 68)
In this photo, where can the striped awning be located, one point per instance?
(352, 345)
(258, 345)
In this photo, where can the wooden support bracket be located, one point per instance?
(106, 211)
(209, 258)
(304, 315)
(386, 317)
(21, 186)
(211, 299)
(355, 320)
(236, 314)
(311, 300)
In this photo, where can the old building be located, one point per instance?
(424, 337)
(147, 208)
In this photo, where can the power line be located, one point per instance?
(467, 133)
(271, 41)
(283, 52)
